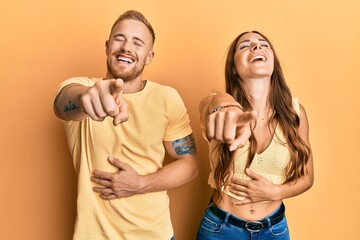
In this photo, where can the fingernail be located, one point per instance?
(232, 148)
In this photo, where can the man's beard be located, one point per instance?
(128, 75)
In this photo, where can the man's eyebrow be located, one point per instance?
(119, 35)
(139, 39)
(135, 38)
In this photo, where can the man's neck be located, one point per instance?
(132, 86)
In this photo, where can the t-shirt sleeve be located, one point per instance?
(178, 120)
(79, 80)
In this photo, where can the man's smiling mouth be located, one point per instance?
(124, 59)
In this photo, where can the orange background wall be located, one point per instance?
(45, 42)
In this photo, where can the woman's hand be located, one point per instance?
(257, 189)
(230, 125)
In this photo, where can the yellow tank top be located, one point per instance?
(271, 163)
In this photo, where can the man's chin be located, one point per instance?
(125, 77)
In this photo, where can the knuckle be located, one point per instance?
(96, 117)
(228, 138)
(111, 110)
(219, 137)
(93, 91)
(210, 119)
(115, 178)
(101, 115)
(98, 84)
(100, 119)
(112, 185)
(85, 100)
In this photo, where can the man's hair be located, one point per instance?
(137, 16)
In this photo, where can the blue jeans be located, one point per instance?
(213, 228)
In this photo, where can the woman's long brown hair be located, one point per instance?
(280, 101)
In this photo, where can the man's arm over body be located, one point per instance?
(126, 182)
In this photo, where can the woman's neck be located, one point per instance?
(257, 91)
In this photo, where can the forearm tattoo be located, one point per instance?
(70, 107)
(185, 145)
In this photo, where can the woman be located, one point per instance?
(258, 146)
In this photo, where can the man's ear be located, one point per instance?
(107, 47)
(149, 57)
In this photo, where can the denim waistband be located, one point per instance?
(252, 226)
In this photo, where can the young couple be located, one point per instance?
(119, 127)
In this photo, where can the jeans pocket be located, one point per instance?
(210, 225)
(279, 228)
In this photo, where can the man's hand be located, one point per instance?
(105, 99)
(231, 126)
(124, 183)
(258, 189)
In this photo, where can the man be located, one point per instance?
(118, 129)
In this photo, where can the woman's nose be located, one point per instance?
(256, 46)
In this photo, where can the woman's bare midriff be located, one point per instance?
(249, 212)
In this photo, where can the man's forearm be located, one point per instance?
(171, 176)
(67, 104)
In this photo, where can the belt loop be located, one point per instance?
(226, 218)
(268, 221)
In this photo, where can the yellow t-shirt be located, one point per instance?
(156, 114)
(271, 163)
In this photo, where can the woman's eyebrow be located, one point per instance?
(247, 40)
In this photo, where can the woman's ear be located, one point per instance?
(234, 71)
